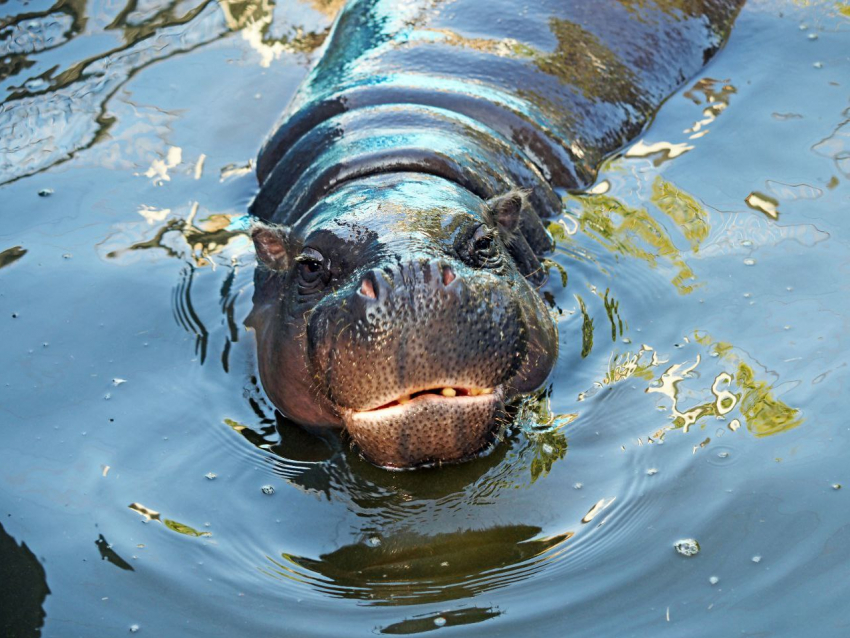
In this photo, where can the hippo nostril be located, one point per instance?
(448, 275)
(367, 288)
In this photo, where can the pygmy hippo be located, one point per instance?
(399, 231)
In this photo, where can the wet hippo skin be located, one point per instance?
(399, 230)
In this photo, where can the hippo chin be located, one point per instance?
(399, 229)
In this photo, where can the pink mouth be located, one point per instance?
(440, 393)
(436, 425)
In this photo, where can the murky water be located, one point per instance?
(147, 486)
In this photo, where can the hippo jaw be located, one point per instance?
(441, 425)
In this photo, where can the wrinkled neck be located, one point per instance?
(388, 139)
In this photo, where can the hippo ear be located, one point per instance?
(272, 245)
(506, 209)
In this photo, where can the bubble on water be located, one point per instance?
(836, 486)
(45, 192)
(373, 541)
(756, 559)
(804, 26)
(687, 547)
(723, 455)
(578, 486)
(749, 262)
(67, 256)
(813, 36)
(45, 345)
(267, 490)
(439, 621)
(134, 629)
(714, 580)
(818, 65)
(652, 471)
(210, 475)
(107, 396)
(734, 424)
(116, 381)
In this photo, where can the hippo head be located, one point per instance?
(394, 308)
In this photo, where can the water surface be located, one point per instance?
(701, 289)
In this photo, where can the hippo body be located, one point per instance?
(402, 196)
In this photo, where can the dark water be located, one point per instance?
(145, 484)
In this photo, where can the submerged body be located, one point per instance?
(402, 195)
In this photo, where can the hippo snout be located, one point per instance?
(418, 359)
(378, 283)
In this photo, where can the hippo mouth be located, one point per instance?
(442, 393)
(435, 425)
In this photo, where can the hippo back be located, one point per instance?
(492, 95)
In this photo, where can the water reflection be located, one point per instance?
(764, 204)
(174, 526)
(837, 145)
(11, 255)
(715, 94)
(109, 554)
(411, 568)
(197, 239)
(430, 622)
(734, 390)
(764, 413)
(635, 232)
(52, 111)
(421, 537)
(23, 589)
(210, 241)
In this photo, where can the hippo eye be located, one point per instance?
(482, 249)
(483, 244)
(311, 270)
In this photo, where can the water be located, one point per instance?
(700, 394)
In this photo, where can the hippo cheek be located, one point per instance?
(285, 372)
(541, 347)
(428, 429)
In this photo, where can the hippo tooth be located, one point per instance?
(449, 392)
(404, 399)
